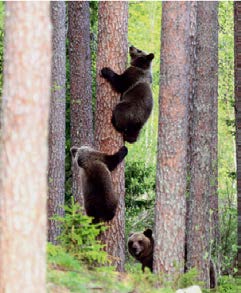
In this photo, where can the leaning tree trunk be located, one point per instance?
(80, 84)
(237, 68)
(24, 152)
(172, 139)
(201, 175)
(56, 167)
(112, 52)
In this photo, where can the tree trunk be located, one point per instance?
(80, 84)
(24, 151)
(112, 52)
(198, 224)
(56, 167)
(214, 207)
(170, 208)
(237, 68)
(192, 76)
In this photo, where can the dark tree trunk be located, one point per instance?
(170, 209)
(237, 68)
(80, 84)
(24, 149)
(201, 149)
(56, 167)
(112, 52)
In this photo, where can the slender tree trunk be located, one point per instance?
(198, 224)
(237, 68)
(80, 84)
(112, 52)
(170, 208)
(56, 167)
(214, 207)
(24, 151)
(193, 62)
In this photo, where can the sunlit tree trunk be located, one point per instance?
(112, 52)
(56, 166)
(237, 68)
(24, 151)
(170, 208)
(201, 149)
(80, 84)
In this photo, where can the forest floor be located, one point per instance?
(66, 274)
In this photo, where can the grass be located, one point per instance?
(66, 274)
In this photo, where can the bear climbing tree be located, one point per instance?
(112, 51)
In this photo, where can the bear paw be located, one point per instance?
(106, 72)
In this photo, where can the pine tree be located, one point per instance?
(24, 152)
(56, 166)
(112, 52)
(171, 176)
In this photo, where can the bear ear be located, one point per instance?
(150, 56)
(73, 151)
(131, 233)
(148, 233)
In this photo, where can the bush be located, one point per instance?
(79, 235)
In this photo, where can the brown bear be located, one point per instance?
(100, 200)
(140, 246)
(136, 102)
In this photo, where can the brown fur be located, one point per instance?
(136, 102)
(140, 246)
(99, 198)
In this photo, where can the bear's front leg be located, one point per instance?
(108, 73)
(113, 78)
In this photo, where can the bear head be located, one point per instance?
(84, 155)
(140, 244)
(140, 59)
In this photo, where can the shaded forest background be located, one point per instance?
(144, 26)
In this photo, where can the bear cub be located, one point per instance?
(136, 102)
(140, 246)
(100, 201)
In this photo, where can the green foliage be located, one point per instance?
(228, 284)
(226, 139)
(58, 257)
(144, 32)
(140, 195)
(190, 278)
(78, 235)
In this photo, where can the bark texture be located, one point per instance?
(80, 84)
(56, 167)
(201, 175)
(24, 151)
(170, 208)
(192, 78)
(214, 206)
(112, 52)
(237, 68)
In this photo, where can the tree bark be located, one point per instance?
(56, 167)
(170, 208)
(237, 72)
(201, 174)
(214, 206)
(112, 52)
(80, 84)
(24, 151)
